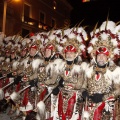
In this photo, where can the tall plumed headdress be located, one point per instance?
(104, 40)
(73, 40)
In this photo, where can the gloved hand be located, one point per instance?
(55, 91)
(32, 83)
(60, 81)
(85, 94)
(10, 75)
(1, 75)
(96, 98)
(17, 80)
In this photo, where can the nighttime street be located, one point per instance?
(93, 11)
(6, 116)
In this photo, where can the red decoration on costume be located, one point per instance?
(97, 77)
(50, 46)
(24, 49)
(33, 46)
(98, 111)
(70, 107)
(66, 73)
(25, 99)
(7, 81)
(51, 118)
(102, 50)
(1, 83)
(18, 87)
(118, 45)
(70, 48)
(43, 93)
(60, 104)
(13, 52)
(110, 98)
(7, 51)
(31, 34)
(63, 116)
(84, 54)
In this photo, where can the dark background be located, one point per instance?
(94, 11)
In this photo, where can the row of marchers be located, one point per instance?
(56, 75)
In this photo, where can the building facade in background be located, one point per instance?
(25, 16)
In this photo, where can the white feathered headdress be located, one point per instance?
(105, 38)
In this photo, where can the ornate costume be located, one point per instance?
(101, 79)
(65, 97)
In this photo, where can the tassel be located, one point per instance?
(60, 104)
(1, 94)
(17, 112)
(85, 113)
(98, 111)
(41, 110)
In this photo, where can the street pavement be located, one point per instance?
(5, 116)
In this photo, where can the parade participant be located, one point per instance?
(26, 69)
(17, 68)
(64, 100)
(8, 66)
(11, 53)
(49, 55)
(24, 52)
(101, 76)
(24, 63)
(2, 57)
(32, 63)
(12, 79)
(5, 63)
(48, 52)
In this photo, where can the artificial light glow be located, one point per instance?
(54, 4)
(39, 26)
(30, 23)
(85, 0)
(22, 18)
(54, 7)
(45, 27)
(86, 38)
(17, 0)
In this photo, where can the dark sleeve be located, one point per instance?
(10, 75)
(56, 90)
(17, 79)
(85, 94)
(96, 98)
